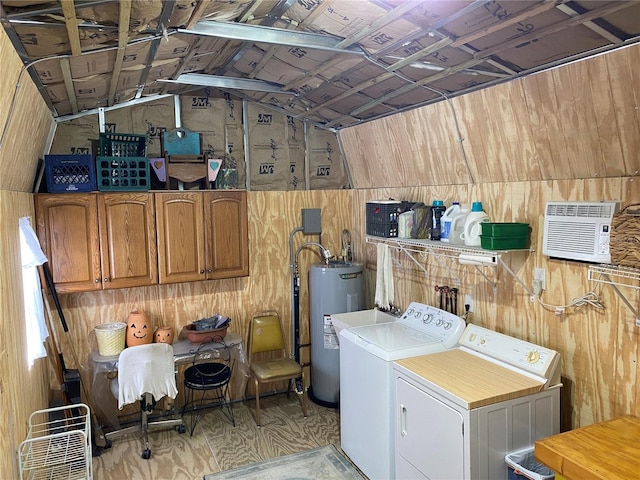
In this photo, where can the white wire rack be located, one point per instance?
(491, 258)
(618, 277)
(58, 445)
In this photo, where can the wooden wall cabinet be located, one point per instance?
(202, 235)
(97, 241)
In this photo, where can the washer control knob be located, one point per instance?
(533, 356)
(447, 325)
(439, 322)
(427, 319)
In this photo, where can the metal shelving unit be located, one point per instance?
(617, 277)
(58, 445)
(462, 253)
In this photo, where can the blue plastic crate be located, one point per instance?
(123, 174)
(70, 173)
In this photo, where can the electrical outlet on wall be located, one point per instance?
(539, 280)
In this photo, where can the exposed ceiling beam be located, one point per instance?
(570, 11)
(71, 22)
(269, 35)
(65, 66)
(381, 22)
(123, 38)
(556, 27)
(226, 82)
(201, 7)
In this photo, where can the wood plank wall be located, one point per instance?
(572, 133)
(22, 390)
(576, 121)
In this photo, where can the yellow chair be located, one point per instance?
(266, 337)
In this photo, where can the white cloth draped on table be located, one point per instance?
(384, 297)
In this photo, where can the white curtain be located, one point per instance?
(32, 257)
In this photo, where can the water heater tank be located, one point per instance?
(333, 288)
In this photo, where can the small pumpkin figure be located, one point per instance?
(163, 335)
(139, 330)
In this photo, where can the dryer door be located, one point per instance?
(429, 435)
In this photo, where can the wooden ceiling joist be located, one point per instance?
(123, 39)
(69, 10)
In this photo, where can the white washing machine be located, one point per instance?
(367, 353)
(459, 412)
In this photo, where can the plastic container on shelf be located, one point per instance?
(457, 225)
(437, 211)
(472, 229)
(445, 222)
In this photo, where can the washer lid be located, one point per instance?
(393, 336)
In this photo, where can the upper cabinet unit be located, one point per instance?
(127, 240)
(202, 235)
(98, 241)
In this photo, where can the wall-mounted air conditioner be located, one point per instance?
(578, 230)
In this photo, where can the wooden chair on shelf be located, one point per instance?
(183, 157)
(266, 338)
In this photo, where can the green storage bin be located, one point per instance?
(123, 174)
(504, 243)
(505, 229)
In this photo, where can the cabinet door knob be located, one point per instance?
(97, 280)
(105, 280)
(202, 271)
(209, 270)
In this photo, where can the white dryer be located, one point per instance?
(459, 412)
(367, 354)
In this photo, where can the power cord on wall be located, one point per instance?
(592, 299)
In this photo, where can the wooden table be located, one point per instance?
(604, 451)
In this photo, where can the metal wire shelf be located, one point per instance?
(491, 258)
(623, 276)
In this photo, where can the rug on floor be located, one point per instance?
(321, 463)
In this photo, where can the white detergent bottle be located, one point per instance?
(446, 219)
(457, 225)
(472, 228)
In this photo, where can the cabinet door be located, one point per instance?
(67, 226)
(226, 234)
(180, 229)
(127, 240)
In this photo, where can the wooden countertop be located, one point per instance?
(474, 381)
(604, 451)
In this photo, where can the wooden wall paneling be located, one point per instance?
(432, 140)
(549, 148)
(26, 136)
(625, 96)
(506, 134)
(472, 119)
(578, 120)
(22, 389)
(605, 124)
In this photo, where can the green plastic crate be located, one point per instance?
(504, 243)
(122, 145)
(123, 174)
(505, 229)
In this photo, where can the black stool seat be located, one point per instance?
(207, 375)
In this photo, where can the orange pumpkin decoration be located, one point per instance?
(163, 335)
(139, 330)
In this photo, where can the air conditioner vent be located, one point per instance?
(598, 210)
(578, 230)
